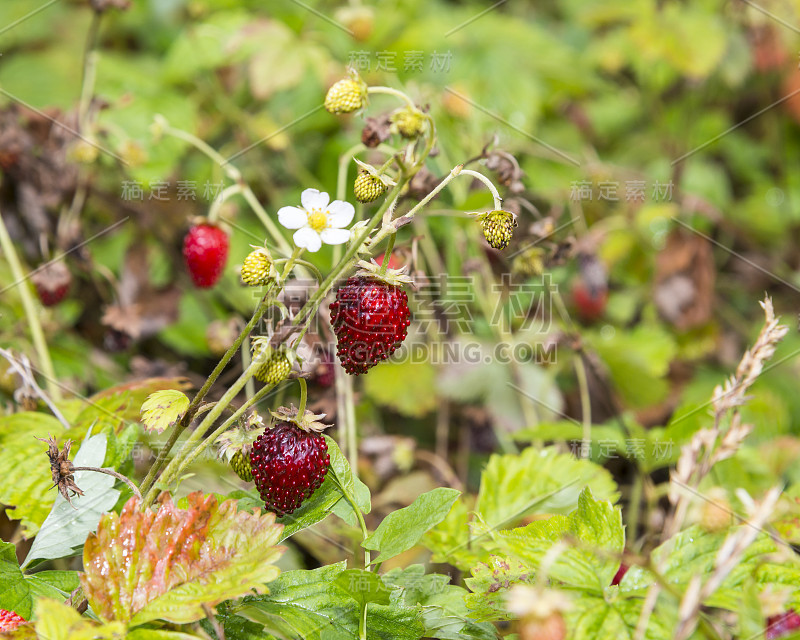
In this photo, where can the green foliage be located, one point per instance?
(402, 529)
(163, 409)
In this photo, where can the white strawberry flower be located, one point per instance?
(318, 220)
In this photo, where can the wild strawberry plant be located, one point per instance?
(541, 551)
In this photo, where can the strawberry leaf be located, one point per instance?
(143, 566)
(163, 409)
(402, 529)
(315, 606)
(590, 563)
(15, 592)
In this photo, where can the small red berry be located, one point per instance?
(52, 282)
(782, 624)
(620, 574)
(10, 620)
(205, 251)
(288, 464)
(590, 303)
(370, 318)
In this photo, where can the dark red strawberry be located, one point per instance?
(589, 303)
(10, 620)
(620, 574)
(205, 251)
(782, 624)
(52, 282)
(289, 461)
(370, 318)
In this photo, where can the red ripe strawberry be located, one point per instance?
(10, 620)
(52, 282)
(205, 251)
(782, 625)
(590, 304)
(370, 318)
(289, 461)
(620, 574)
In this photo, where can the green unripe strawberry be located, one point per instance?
(498, 227)
(275, 369)
(240, 463)
(258, 269)
(409, 122)
(347, 95)
(368, 188)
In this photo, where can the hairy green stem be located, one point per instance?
(234, 174)
(31, 312)
(178, 462)
(387, 254)
(179, 428)
(498, 201)
(393, 92)
(303, 397)
(207, 442)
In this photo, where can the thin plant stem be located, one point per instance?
(31, 313)
(498, 201)
(387, 255)
(234, 174)
(111, 472)
(249, 387)
(303, 397)
(216, 205)
(350, 427)
(198, 451)
(586, 402)
(393, 92)
(198, 398)
(178, 462)
(89, 73)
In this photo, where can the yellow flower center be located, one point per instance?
(317, 220)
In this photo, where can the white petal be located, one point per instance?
(314, 199)
(308, 239)
(292, 217)
(340, 214)
(335, 236)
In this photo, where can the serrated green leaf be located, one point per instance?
(593, 617)
(26, 471)
(590, 561)
(537, 481)
(143, 566)
(444, 612)
(311, 605)
(163, 409)
(402, 529)
(490, 583)
(15, 592)
(67, 525)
